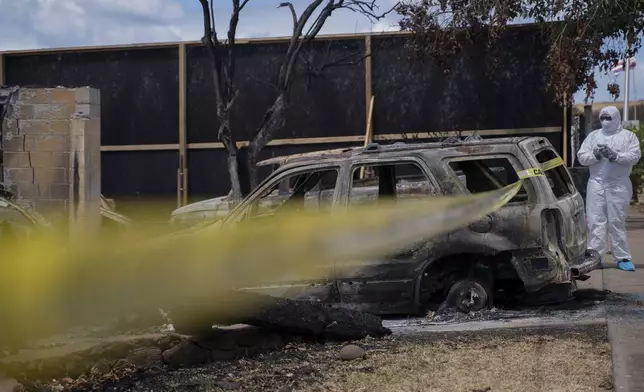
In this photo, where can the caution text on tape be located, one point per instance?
(539, 171)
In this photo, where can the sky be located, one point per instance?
(33, 24)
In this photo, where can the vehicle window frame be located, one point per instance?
(356, 164)
(569, 184)
(237, 213)
(514, 161)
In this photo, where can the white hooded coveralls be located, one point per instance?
(609, 189)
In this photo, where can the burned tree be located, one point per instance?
(222, 55)
(582, 35)
(306, 27)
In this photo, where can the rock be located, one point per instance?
(146, 358)
(186, 353)
(228, 385)
(351, 352)
(8, 384)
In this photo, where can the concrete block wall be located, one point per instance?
(51, 152)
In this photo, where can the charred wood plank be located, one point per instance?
(302, 318)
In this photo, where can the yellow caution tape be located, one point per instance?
(551, 164)
(532, 172)
(538, 171)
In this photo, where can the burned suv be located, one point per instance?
(532, 249)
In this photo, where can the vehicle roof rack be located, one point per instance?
(371, 147)
(473, 138)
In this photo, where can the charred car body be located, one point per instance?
(533, 248)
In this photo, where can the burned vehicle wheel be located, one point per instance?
(468, 295)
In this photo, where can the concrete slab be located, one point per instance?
(411, 327)
(626, 322)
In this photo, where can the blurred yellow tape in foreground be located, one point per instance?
(47, 286)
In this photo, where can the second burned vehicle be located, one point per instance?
(532, 249)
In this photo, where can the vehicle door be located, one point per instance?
(505, 229)
(386, 283)
(310, 188)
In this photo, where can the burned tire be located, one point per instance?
(468, 295)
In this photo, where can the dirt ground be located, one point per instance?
(499, 361)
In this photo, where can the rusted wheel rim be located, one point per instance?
(469, 296)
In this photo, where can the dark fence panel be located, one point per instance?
(139, 173)
(207, 174)
(139, 88)
(141, 182)
(327, 94)
(414, 96)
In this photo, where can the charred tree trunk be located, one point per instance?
(273, 120)
(224, 135)
(244, 171)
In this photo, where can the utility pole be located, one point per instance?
(626, 65)
(630, 65)
(627, 77)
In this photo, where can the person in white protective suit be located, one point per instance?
(610, 153)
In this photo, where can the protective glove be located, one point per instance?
(609, 154)
(597, 152)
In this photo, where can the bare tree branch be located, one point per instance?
(293, 44)
(293, 13)
(325, 63)
(232, 33)
(274, 118)
(243, 4)
(365, 7)
(210, 41)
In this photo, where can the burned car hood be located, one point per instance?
(204, 205)
(205, 210)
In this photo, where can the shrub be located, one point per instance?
(637, 175)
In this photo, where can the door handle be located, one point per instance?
(483, 225)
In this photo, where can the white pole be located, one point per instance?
(627, 77)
